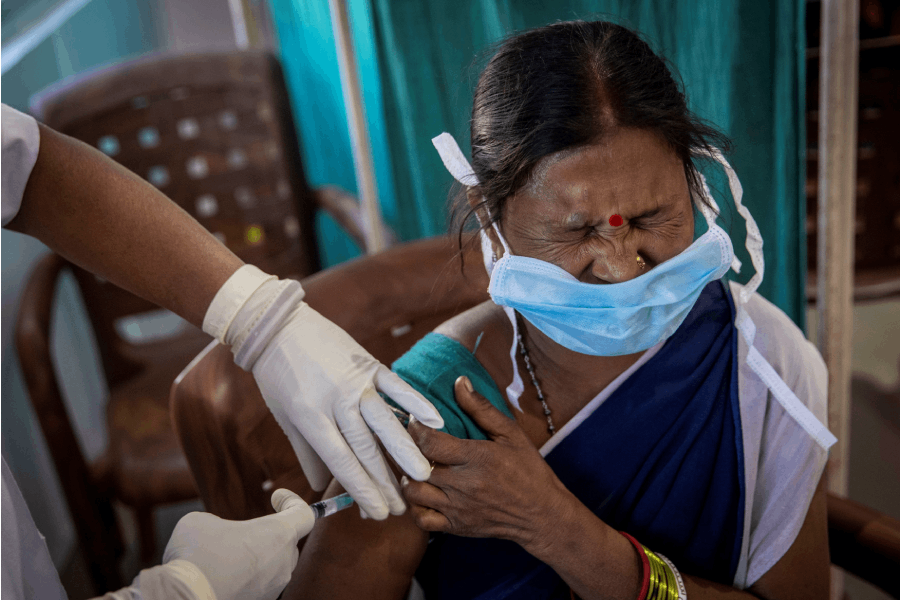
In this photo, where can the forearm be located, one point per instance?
(109, 221)
(596, 561)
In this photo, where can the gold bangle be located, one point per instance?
(657, 578)
(654, 575)
(663, 589)
(680, 591)
(665, 581)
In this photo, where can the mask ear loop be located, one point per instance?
(710, 210)
(455, 162)
(754, 241)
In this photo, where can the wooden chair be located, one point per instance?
(214, 133)
(239, 454)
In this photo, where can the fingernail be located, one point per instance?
(404, 481)
(279, 497)
(418, 469)
(397, 505)
(468, 384)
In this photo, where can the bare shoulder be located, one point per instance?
(486, 332)
(485, 321)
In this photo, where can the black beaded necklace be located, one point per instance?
(537, 386)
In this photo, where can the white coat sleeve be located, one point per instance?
(21, 141)
(175, 580)
(27, 569)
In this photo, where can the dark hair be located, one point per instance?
(565, 86)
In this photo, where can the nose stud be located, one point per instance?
(615, 221)
(641, 262)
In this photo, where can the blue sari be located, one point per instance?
(661, 458)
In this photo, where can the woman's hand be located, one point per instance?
(499, 488)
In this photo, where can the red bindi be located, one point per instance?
(615, 221)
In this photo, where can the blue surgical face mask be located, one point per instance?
(610, 319)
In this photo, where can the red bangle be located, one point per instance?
(645, 566)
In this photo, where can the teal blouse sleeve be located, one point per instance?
(432, 366)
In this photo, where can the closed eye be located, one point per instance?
(651, 217)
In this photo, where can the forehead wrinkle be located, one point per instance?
(537, 180)
(575, 219)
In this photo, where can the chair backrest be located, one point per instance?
(214, 133)
(386, 301)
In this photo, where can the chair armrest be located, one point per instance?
(344, 208)
(212, 403)
(33, 342)
(864, 542)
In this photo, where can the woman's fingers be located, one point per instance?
(441, 447)
(429, 519)
(423, 493)
(423, 499)
(492, 421)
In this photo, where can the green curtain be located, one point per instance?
(742, 63)
(309, 60)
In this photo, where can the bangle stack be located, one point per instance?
(660, 579)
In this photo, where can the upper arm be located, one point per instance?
(346, 556)
(803, 571)
(785, 455)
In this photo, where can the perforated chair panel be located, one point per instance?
(213, 132)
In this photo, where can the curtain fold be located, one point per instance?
(308, 56)
(741, 62)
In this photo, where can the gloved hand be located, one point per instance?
(208, 558)
(321, 387)
(244, 559)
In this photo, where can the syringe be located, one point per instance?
(401, 414)
(329, 506)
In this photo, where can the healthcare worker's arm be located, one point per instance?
(209, 558)
(318, 382)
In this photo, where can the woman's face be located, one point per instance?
(562, 215)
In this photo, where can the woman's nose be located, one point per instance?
(616, 267)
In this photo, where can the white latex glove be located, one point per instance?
(321, 386)
(244, 560)
(208, 558)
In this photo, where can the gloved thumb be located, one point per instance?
(293, 512)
